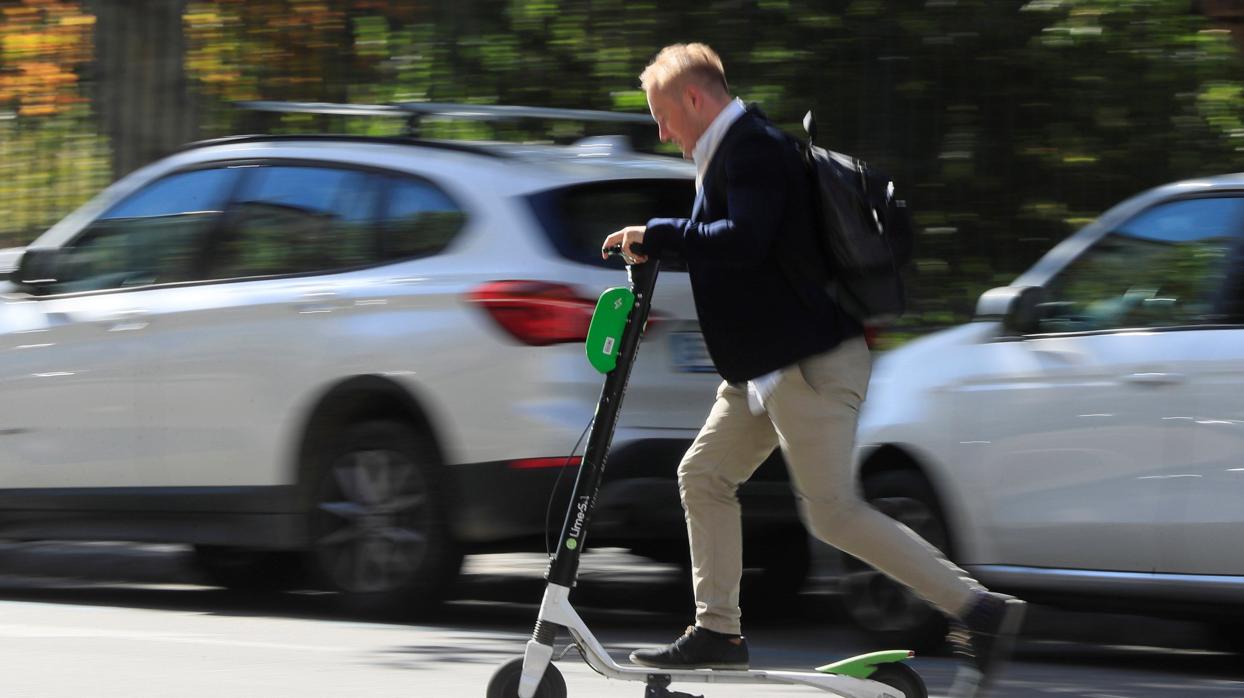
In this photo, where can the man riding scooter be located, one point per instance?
(794, 375)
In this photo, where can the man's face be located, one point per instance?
(673, 108)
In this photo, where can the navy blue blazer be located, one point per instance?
(755, 210)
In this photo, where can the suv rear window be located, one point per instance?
(578, 218)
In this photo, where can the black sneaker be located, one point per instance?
(698, 648)
(983, 641)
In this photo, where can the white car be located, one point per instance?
(368, 349)
(1082, 441)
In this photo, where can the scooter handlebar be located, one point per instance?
(636, 248)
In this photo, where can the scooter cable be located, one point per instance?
(548, 512)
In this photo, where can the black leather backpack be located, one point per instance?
(864, 230)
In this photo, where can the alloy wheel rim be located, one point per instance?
(378, 521)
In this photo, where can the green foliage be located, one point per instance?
(49, 165)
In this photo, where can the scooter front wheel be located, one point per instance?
(504, 683)
(899, 676)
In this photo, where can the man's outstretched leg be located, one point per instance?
(815, 409)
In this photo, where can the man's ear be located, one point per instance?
(693, 97)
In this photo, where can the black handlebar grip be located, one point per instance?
(636, 248)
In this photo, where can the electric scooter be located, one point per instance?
(613, 338)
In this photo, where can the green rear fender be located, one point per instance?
(864, 665)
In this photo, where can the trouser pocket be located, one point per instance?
(841, 372)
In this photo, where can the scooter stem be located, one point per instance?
(564, 568)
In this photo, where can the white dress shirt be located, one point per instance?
(706, 145)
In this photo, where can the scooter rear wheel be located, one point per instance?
(899, 676)
(504, 683)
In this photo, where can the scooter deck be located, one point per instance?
(860, 666)
(842, 685)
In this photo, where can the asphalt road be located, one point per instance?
(135, 621)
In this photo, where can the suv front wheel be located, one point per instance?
(885, 609)
(379, 531)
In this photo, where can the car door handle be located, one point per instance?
(311, 302)
(1154, 378)
(313, 308)
(1066, 356)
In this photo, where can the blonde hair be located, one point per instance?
(691, 61)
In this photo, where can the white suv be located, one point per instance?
(1081, 442)
(369, 349)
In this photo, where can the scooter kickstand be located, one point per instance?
(658, 687)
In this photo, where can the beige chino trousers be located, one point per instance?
(811, 414)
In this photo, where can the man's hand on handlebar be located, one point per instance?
(624, 239)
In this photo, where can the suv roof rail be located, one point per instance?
(414, 111)
(459, 146)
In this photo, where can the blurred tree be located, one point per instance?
(141, 92)
(1228, 14)
(303, 50)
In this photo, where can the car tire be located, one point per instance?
(380, 536)
(244, 569)
(880, 606)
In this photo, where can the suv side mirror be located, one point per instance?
(9, 260)
(1016, 306)
(36, 268)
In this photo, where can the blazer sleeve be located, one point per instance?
(756, 190)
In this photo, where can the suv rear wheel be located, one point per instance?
(379, 531)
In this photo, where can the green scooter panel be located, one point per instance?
(604, 335)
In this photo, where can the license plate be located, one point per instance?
(689, 353)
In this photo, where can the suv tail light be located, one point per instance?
(542, 463)
(538, 313)
(871, 334)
